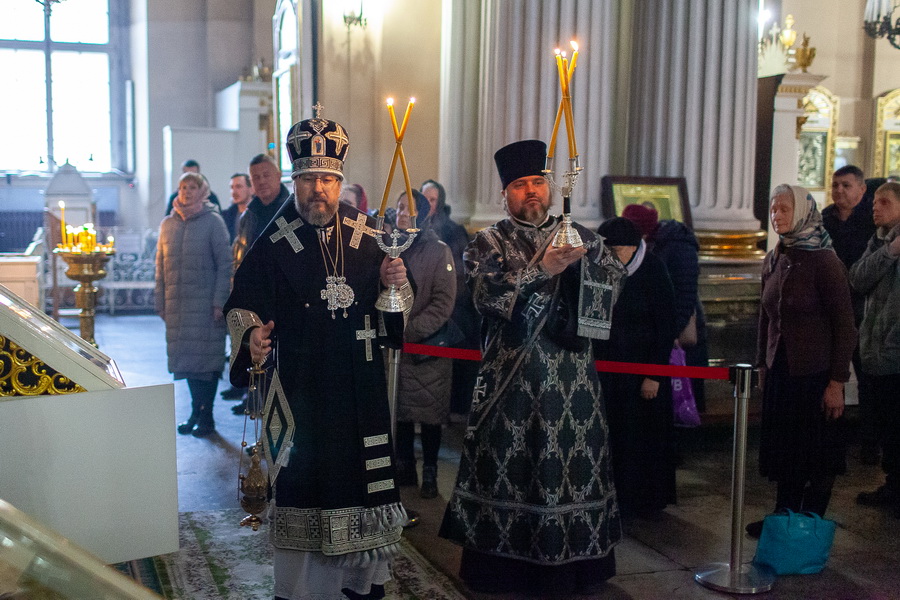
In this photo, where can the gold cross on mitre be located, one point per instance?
(318, 108)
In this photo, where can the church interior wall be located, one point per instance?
(859, 68)
(182, 53)
(397, 54)
(195, 49)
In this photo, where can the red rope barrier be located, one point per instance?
(607, 366)
(610, 366)
(441, 351)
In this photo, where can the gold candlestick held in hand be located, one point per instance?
(390, 299)
(567, 234)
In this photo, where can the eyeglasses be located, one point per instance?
(326, 180)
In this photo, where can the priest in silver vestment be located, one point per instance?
(534, 506)
(304, 301)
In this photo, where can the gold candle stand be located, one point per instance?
(86, 268)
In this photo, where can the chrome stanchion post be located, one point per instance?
(734, 576)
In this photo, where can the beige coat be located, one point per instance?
(424, 395)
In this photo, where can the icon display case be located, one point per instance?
(30, 335)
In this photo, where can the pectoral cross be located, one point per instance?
(359, 228)
(367, 334)
(286, 230)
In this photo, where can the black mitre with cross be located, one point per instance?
(317, 145)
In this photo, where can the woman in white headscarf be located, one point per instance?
(806, 339)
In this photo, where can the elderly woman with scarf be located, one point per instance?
(193, 278)
(639, 408)
(806, 339)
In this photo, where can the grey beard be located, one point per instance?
(317, 219)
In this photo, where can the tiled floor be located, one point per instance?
(658, 557)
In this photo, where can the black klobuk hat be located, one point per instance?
(520, 159)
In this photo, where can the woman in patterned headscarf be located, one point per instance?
(806, 339)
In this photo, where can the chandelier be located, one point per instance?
(877, 21)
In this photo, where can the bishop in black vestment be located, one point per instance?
(305, 294)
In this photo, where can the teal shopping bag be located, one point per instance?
(795, 543)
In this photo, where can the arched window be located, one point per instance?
(286, 25)
(64, 65)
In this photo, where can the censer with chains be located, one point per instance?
(253, 486)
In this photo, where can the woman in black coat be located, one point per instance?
(638, 407)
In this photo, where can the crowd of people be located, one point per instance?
(555, 457)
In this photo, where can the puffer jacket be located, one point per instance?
(877, 275)
(424, 394)
(193, 275)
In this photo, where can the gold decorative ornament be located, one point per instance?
(86, 268)
(23, 374)
(887, 135)
(730, 244)
(804, 54)
(788, 36)
(818, 139)
(801, 121)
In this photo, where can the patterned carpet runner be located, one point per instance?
(218, 559)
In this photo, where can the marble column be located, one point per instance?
(512, 92)
(693, 112)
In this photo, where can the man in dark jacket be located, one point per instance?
(241, 193)
(269, 194)
(848, 220)
(877, 275)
